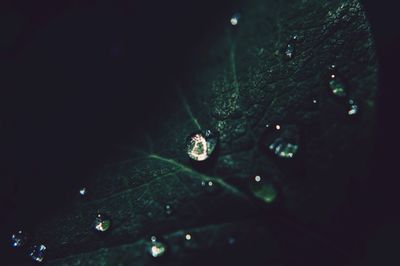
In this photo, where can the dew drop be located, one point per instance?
(18, 239)
(209, 185)
(156, 248)
(289, 51)
(168, 209)
(37, 252)
(102, 222)
(336, 85)
(235, 19)
(290, 48)
(283, 142)
(83, 191)
(263, 189)
(200, 145)
(353, 110)
(188, 237)
(283, 149)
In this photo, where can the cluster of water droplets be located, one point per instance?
(201, 145)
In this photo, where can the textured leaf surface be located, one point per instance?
(238, 85)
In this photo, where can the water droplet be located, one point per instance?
(315, 101)
(209, 185)
(283, 149)
(83, 191)
(156, 248)
(353, 108)
(235, 19)
(18, 239)
(284, 144)
(263, 189)
(201, 145)
(336, 85)
(168, 209)
(37, 252)
(290, 48)
(188, 237)
(102, 222)
(289, 51)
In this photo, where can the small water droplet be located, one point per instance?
(83, 191)
(200, 145)
(156, 248)
(231, 240)
(290, 49)
(315, 101)
(263, 189)
(168, 209)
(209, 185)
(188, 237)
(235, 19)
(19, 239)
(102, 222)
(37, 252)
(336, 85)
(353, 110)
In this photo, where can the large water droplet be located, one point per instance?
(201, 145)
(37, 252)
(156, 248)
(336, 85)
(102, 222)
(263, 189)
(19, 239)
(235, 19)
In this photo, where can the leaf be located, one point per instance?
(239, 84)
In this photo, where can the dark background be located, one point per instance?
(76, 77)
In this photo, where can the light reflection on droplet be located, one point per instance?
(278, 127)
(188, 236)
(235, 19)
(83, 191)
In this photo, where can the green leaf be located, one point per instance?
(238, 83)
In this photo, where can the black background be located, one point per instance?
(76, 77)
